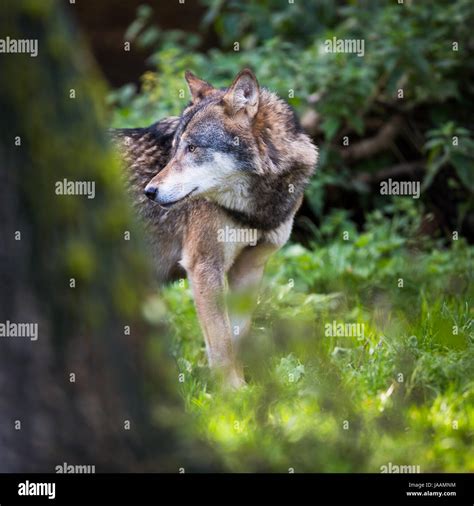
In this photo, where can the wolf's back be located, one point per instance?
(145, 152)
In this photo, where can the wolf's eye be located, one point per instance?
(191, 148)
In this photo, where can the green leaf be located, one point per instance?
(464, 166)
(331, 126)
(433, 169)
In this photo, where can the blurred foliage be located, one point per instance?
(402, 392)
(405, 387)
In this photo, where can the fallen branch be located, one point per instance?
(370, 147)
(394, 171)
(310, 121)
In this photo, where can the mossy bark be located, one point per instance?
(48, 240)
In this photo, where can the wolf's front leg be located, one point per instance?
(208, 289)
(244, 282)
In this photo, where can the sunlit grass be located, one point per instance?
(401, 392)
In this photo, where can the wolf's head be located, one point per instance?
(239, 147)
(213, 148)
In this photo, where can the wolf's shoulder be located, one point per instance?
(159, 134)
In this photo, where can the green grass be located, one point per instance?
(401, 393)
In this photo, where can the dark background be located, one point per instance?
(105, 22)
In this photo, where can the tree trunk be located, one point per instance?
(67, 266)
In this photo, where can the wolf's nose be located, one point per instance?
(151, 191)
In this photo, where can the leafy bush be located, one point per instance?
(401, 392)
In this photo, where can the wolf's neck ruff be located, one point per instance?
(270, 199)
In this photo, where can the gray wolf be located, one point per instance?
(218, 188)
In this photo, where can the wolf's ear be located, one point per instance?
(243, 94)
(198, 88)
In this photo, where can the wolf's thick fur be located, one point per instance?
(235, 159)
